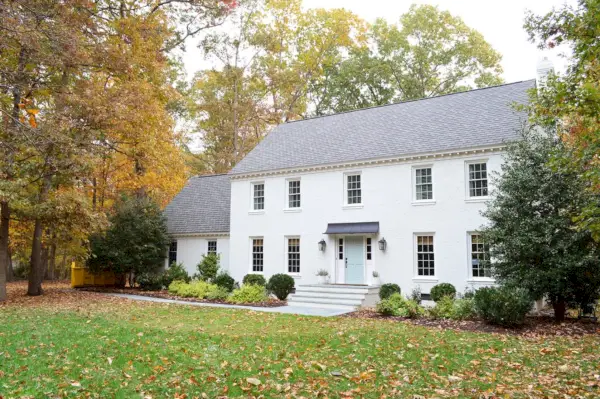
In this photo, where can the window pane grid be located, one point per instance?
(369, 253)
(257, 255)
(212, 247)
(294, 194)
(478, 182)
(172, 252)
(293, 255)
(354, 189)
(423, 184)
(259, 196)
(425, 256)
(479, 257)
(341, 249)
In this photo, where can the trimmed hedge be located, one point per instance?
(441, 290)
(387, 290)
(254, 279)
(248, 293)
(281, 285)
(396, 305)
(502, 305)
(224, 280)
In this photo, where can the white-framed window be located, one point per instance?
(353, 188)
(425, 255)
(477, 177)
(293, 194)
(369, 248)
(293, 255)
(341, 249)
(258, 196)
(423, 178)
(257, 255)
(172, 252)
(479, 257)
(211, 247)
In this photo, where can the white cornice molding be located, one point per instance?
(200, 235)
(373, 162)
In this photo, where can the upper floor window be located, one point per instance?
(293, 255)
(257, 255)
(293, 199)
(258, 196)
(353, 189)
(212, 247)
(423, 184)
(425, 255)
(478, 179)
(172, 252)
(480, 266)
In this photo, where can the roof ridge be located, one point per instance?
(409, 101)
(213, 175)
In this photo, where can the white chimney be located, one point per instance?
(544, 68)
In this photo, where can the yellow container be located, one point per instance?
(77, 276)
(82, 277)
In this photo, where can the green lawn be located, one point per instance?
(124, 349)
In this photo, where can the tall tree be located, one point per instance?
(531, 234)
(571, 103)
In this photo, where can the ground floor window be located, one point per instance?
(480, 265)
(257, 255)
(173, 252)
(425, 256)
(293, 255)
(212, 247)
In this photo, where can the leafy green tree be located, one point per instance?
(571, 102)
(135, 242)
(534, 243)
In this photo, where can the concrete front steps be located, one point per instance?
(334, 296)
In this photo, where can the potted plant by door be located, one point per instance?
(375, 280)
(322, 276)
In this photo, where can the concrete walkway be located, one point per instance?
(298, 310)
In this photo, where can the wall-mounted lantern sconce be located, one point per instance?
(322, 245)
(382, 244)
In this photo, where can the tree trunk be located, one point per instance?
(4, 229)
(52, 261)
(34, 287)
(10, 275)
(560, 308)
(44, 262)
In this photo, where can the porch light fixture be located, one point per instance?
(382, 244)
(322, 245)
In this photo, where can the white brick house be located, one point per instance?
(396, 190)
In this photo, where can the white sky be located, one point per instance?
(500, 22)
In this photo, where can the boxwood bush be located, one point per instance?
(224, 280)
(396, 305)
(175, 272)
(150, 281)
(281, 285)
(254, 279)
(387, 290)
(441, 290)
(502, 305)
(248, 293)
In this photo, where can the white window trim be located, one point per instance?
(416, 277)
(415, 201)
(345, 203)
(285, 251)
(470, 277)
(468, 197)
(286, 203)
(216, 241)
(257, 211)
(251, 252)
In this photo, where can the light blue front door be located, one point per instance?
(355, 260)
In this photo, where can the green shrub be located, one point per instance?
(248, 293)
(502, 305)
(396, 305)
(254, 279)
(175, 272)
(469, 294)
(150, 281)
(174, 286)
(208, 268)
(443, 309)
(415, 295)
(217, 293)
(281, 285)
(195, 289)
(224, 280)
(464, 309)
(441, 290)
(387, 290)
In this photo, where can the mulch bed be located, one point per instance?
(534, 325)
(164, 294)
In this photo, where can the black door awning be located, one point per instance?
(353, 228)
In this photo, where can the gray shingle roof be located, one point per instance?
(201, 207)
(462, 120)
